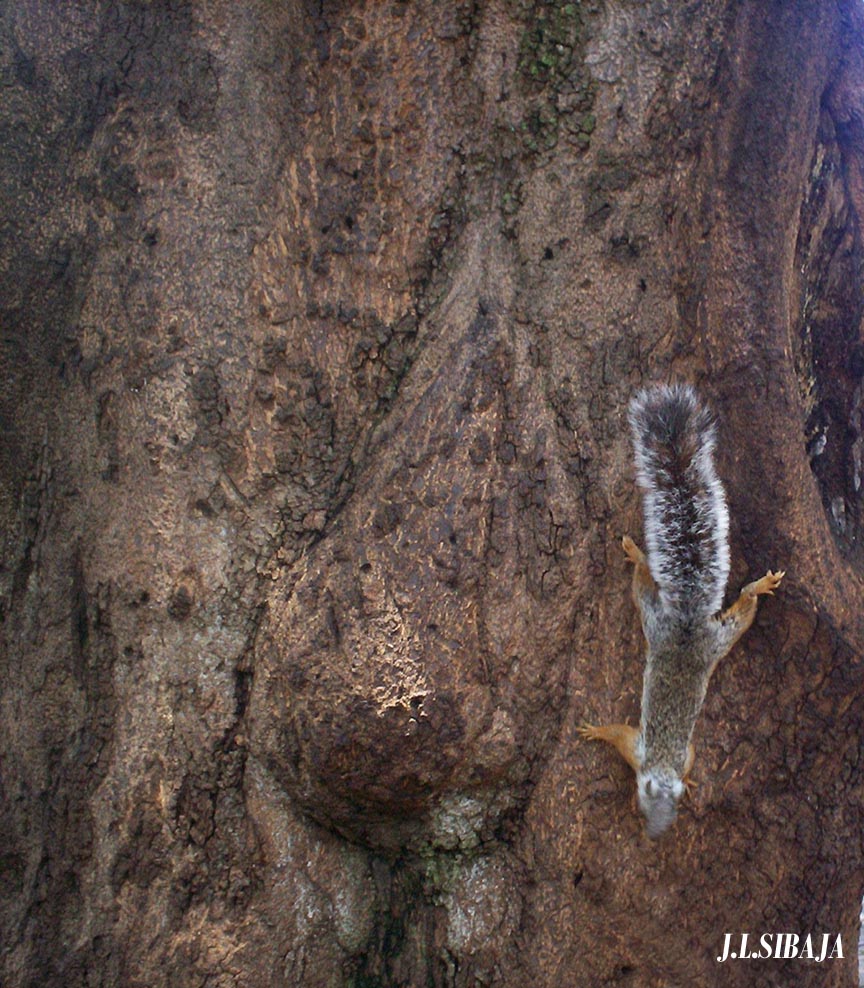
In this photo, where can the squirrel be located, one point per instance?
(678, 591)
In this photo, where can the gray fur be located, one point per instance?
(678, 586)
(686, 518)
(687, 547)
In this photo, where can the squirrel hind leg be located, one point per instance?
(623, 738)
(645, 590)
(767, 585)
(737, 618)
(642, 577)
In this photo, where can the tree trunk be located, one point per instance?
(320, 321)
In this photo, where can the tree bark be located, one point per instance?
(319, 327)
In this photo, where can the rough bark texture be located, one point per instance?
(319, 324)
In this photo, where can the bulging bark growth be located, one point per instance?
(319, 327)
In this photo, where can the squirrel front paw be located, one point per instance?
(591, 733)
(621, 736)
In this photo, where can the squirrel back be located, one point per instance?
(686, 519)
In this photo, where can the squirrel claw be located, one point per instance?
(633, 552)
(767, 585)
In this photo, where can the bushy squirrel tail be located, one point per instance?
(686, 519)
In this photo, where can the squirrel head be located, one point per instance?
(659, 793)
